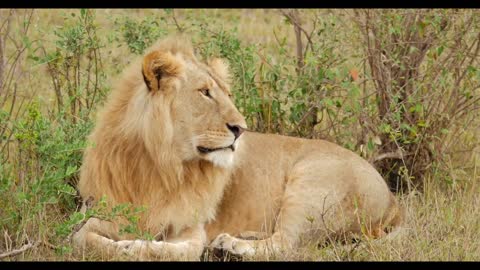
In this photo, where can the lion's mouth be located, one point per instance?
(205, 150)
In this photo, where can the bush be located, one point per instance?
(425, 81)
(139, 35)
(47, 160)
(74, 65)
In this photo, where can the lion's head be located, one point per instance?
(183, 105)
(168, 124)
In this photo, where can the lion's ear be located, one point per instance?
(221, 68)
(157, 65)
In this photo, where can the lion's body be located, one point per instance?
(301, 180)
(169, 139)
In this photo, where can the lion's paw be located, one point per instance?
(233, 245)
(131, 248)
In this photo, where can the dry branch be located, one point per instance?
(391, 155)
(19, 251)
(294, 17)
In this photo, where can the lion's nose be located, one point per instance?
(236, 130)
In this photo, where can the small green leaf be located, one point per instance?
(71, 170)
(370, 145)
(440, 50)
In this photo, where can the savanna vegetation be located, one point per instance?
(399, 87)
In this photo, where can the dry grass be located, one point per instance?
(440, 227)
(442, 224)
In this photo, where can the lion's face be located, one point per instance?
(204, 121)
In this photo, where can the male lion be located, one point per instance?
(170, 138)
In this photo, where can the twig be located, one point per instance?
(47, 244)
(19, 251)
(295, 22)
(312, 110)
(294, 18)
(176, 23)
(391, 155)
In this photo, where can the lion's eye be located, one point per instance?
(206, 92)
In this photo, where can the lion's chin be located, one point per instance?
(221, 158)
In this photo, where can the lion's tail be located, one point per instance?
(394, 222)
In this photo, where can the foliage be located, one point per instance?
(422, 66)
(139, 35)
(74, 65)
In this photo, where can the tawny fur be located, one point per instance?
(144, 151)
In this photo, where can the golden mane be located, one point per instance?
(130, 156)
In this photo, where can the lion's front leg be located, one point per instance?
(251, 248)
(97, 235)
(188, 246)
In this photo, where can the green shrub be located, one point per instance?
(424, 80)
(139, 35)
(46, 164)
(74, 64)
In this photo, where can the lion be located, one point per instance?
(170, 138)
